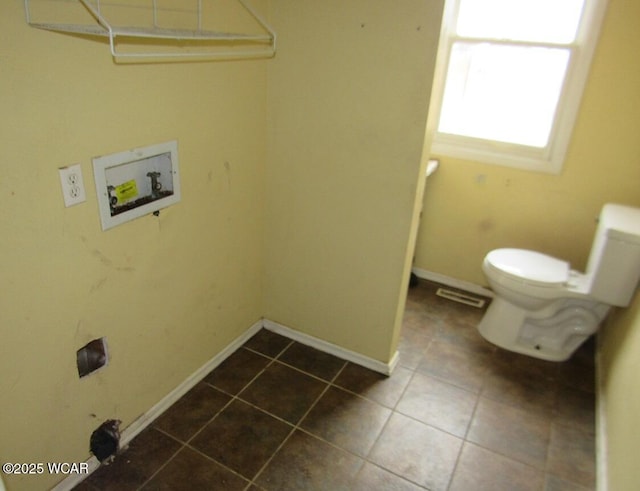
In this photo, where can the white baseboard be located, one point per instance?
(452, 282)
(601, 427)
(191, 381)
(137, 426)
(333, 349)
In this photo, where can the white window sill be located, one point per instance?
(528, 159)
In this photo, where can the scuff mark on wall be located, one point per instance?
(101, 257)
(16, 381)
(109, 263)
(78, 326)
(486, 225)
(98, 284)
(227, 169)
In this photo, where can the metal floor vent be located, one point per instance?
(460, 297)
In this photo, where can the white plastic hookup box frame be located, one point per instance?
(136, 182)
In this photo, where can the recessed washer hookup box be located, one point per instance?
(136, 182)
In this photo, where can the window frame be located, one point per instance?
(549, 159)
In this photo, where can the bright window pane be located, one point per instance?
(524, 20)
(503, 93)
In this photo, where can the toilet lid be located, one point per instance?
(529, 266)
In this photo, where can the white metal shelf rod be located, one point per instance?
(94, 8)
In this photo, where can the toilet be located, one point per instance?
(543, 308)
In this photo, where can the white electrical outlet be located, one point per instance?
(72, 185)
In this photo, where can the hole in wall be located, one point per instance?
(105, 441)
(92, 356)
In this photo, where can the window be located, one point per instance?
(510, 77)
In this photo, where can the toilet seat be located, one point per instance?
(529, 267)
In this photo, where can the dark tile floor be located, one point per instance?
(457, 414)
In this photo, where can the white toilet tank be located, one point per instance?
(614, 262)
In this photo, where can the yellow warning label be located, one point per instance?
(126, 191)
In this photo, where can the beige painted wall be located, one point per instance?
(348, 97)
(471, 208)
(616, 84)
(168, 292)
(619, 395)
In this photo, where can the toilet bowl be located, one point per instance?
(543, 308)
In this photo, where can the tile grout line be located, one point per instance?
(464, 439)
(364, 458)
(187, 443)
(297, 425)
(164, 464)
(237, 397)
(384, 427)
(294, 427)
(329, 384)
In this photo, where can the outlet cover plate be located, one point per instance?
(72, 185)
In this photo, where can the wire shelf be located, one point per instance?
(147, 30)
